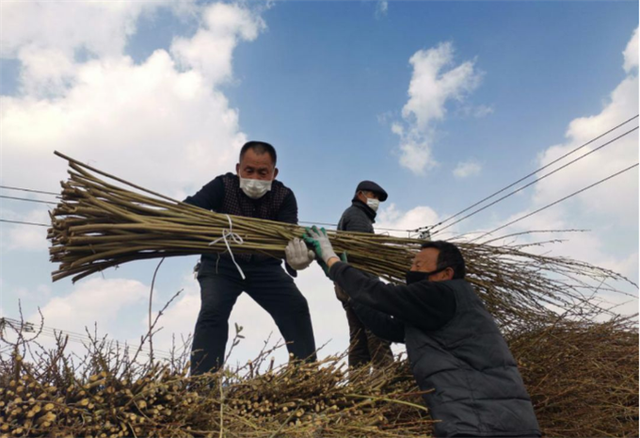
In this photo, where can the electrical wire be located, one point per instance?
(21, 189)
(24, 223)
(556, 202)
(15, 198)
(535, 181)
(429, 228)
(29, 327)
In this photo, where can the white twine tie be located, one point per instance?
(236, 238)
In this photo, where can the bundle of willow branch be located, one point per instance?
(107, 393)
(98, 225)
(582, 376)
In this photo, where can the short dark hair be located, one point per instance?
(448, 257)
(259, 147)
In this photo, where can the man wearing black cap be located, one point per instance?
(364, 346)
(252, 191)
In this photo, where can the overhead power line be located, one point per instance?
(556, 202)
(15, 198)
(429, 228)
(21, 189)
(24, 223)
(536, 181)
(29, 327)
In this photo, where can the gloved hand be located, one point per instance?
(298, 255)
(319, 241)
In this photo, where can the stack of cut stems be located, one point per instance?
(102, 223)
(98, 225)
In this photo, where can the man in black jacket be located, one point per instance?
(252, 192)
(364, 346)
(454, 345)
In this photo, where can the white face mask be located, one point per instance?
(254, 188)
(373, 204)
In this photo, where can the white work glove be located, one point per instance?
(298, 255)
(318, 239)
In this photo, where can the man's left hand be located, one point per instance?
(298, 255)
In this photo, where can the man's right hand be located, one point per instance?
(319, 240)
(298, 255)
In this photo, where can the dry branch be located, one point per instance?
(582, 377)
(102, 223)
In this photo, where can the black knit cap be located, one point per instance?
(370, 186)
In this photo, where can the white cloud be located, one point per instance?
(465, 169)
(102, 28)
(416, 151)
(382, 8)
(156, 123)
(47, 36)
(430, 88)
(150, 123)
(23, 237)
(210, 50)
(617, 199)
(631, 53)
(482, 111)
(433, 84)
(393, 218)
(610, 210)
(45, 72)
(41, 291)
(94, 301)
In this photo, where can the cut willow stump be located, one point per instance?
(102, 223)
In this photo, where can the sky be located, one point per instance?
(441, 103)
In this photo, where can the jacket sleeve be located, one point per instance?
(289, 210)
(382, 325)
(210, 196)
(428, 305)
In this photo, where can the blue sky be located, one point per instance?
(403, 93)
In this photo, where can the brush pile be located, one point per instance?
(112, 396)
(582, 375)
(99, 224)
(582, 378)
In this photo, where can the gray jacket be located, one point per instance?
(359, 217)
(473, 383)
(478, 389)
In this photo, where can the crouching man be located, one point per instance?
(454, 345)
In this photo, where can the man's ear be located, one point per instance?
(238, 169)
(448, 273)
(275, 173)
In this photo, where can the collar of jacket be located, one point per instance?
(367, 210)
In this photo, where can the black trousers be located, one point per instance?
(270, 286)
(365, 348)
